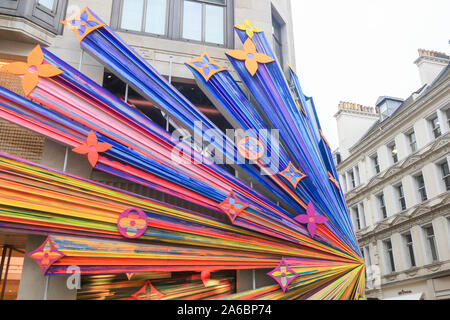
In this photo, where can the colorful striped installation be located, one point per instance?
(310, 246)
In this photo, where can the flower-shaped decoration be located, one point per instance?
(333, 179)
(324, 139)
(311, 219)
(132, 223)
(83, 24)
(251, 148)
(92, 147)
(248, 28)
(206, 66)
(232, 206)
(283, 274)
(46, 255)
(250, 56)
(148, 292)
(31, 70)
(293, 175)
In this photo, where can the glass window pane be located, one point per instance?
(214, 25)
(156, 16)
(47, 3)
(132, 15)
(192, 21)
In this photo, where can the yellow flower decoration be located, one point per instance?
(248, 28)
(250, 56)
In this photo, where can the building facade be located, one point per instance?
(167, 33)
(393, 166)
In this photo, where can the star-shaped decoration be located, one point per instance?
(83, 24)
(132, 223)
(324, 139)
(333, 179)
(232, 206)
(293, 175)
(31, 70)
(248, 28)
(250, 56)
(46, 255)
(92, 148)
(311, 219)
(148, 292)
(283, 274)
(206, 66)
(251, 148)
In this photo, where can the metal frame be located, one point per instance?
(2, 265)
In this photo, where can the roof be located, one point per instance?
(383, 98)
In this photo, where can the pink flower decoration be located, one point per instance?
(312, 219)
(132, 223)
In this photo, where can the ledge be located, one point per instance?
(21, 29)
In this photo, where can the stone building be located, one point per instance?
(393, 163)
(167, 33)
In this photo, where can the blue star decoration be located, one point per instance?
(206, 66)
(293, 175)
(83, 24)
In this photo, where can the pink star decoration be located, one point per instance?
(283, 274)
(232, 206)
(92, 148)
(311, 219)
(46, 255)
(148, 292)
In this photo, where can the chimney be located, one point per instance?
(430, 64)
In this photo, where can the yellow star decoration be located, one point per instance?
(248, 28)
(250, 56)
(206, 66)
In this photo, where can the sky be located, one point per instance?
(358, 50)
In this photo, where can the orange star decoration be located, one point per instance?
(83, 24)
(293, 175)
(250, 56)
(206, 66)
(92, 147)
(332, 179)
(232, 206)
(31, 70)
(248, 28)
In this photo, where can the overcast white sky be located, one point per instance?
(358, 50)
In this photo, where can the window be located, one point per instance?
(401, 197)
(445, 175)
(357, 176)
(389, 255)
(44, 13)
(447, 113)
(407, 238)
(394, 152)
(144, 15)
(412, 141)
(357, 218)
(382, 206)
(206, 21)
(430, 242)
(421, 188)
(277, 39)
(352, 178)
(376, 164)
(435, 127)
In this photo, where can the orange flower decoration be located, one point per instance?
(250, 56)
(34, 68)
(83, 24)
(335, 182)
(92, 147)
(248, 28)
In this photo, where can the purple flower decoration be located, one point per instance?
(206, 66)
(283, 274)
(312, 219)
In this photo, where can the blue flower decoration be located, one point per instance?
(293, 175)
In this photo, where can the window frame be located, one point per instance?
(410, 251)
(436, 130)
(445, 177)
(389, 255)
(174, 22)
(393, 152)
(423, 194)
(401, 196)
(382, 206)
(432, 258)
(408, 134)
(375, 163)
